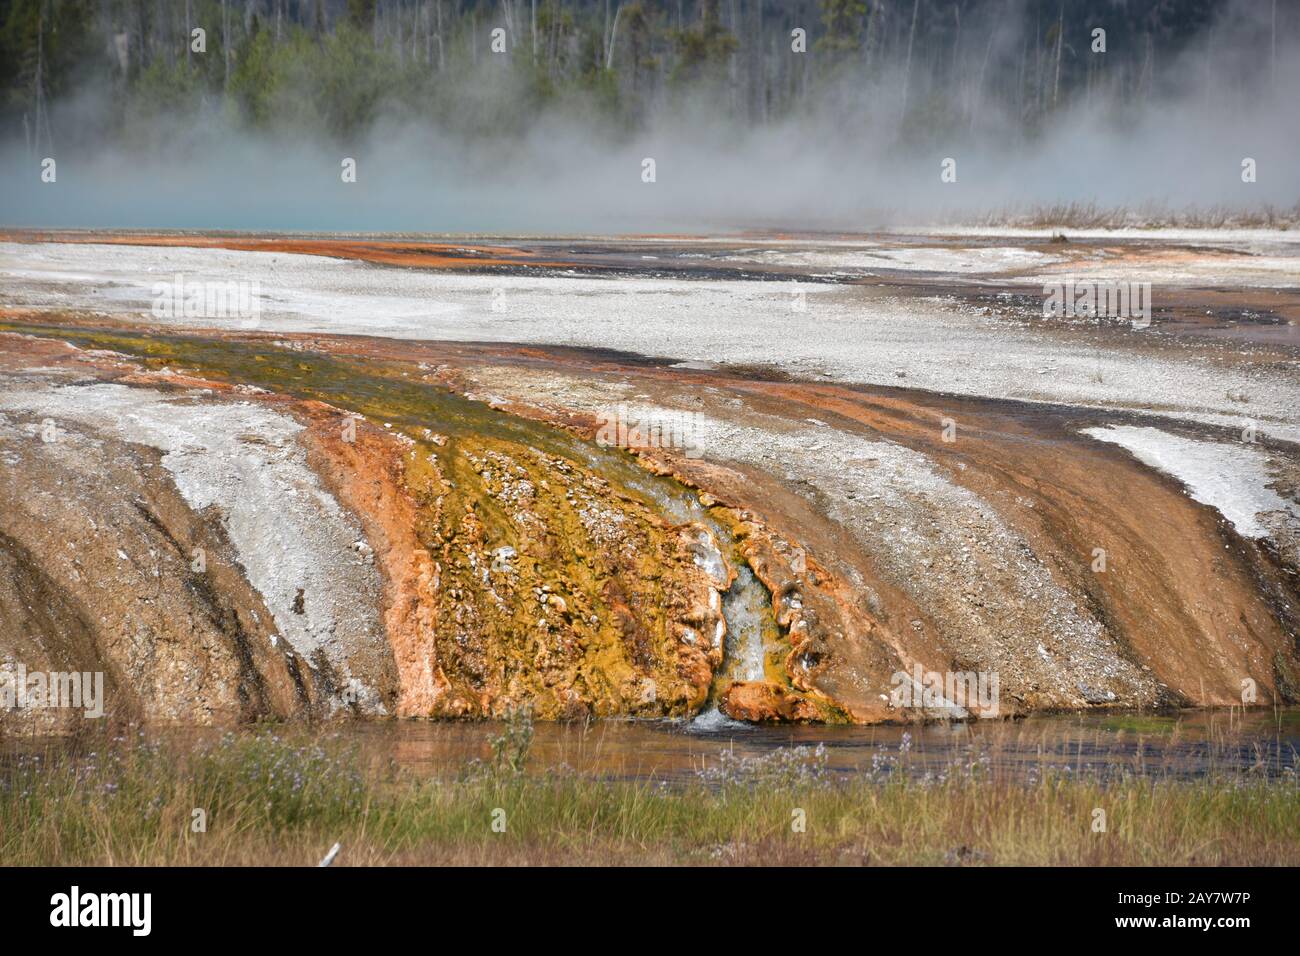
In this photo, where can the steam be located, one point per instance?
(844, 161)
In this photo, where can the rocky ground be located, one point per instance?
(222, 552)
(247, 523)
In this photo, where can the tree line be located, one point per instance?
(73, 68)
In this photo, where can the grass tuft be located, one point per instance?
(284, 797)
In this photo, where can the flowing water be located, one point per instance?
(747, 607)
(1187, 745)
(1191, 744)
(386, 393)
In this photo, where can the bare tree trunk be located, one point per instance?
(613, 34)
(1060, 43)
(1144, 78)
(1020, 85)
(868, 40)
(907, 71)
(979, 83)
(956, 43)
(1087, 85)
(40, 75)
(1038, 63)
(225, 41)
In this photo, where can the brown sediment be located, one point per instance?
(557, 593)
(512, 576)
(361, 465)
(1180, 589)
(833, 638)
(842, 622)
(516, 576)
(766, 702)
(1195, 606)
(98, 574)
(415, 254)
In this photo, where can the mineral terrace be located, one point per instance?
(837, 460)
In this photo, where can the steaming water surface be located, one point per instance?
(1186, 746)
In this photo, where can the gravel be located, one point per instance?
(814, 330)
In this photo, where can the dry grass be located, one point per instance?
(273, 800)
(1089, 215)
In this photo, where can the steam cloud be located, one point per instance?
(841, 163)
